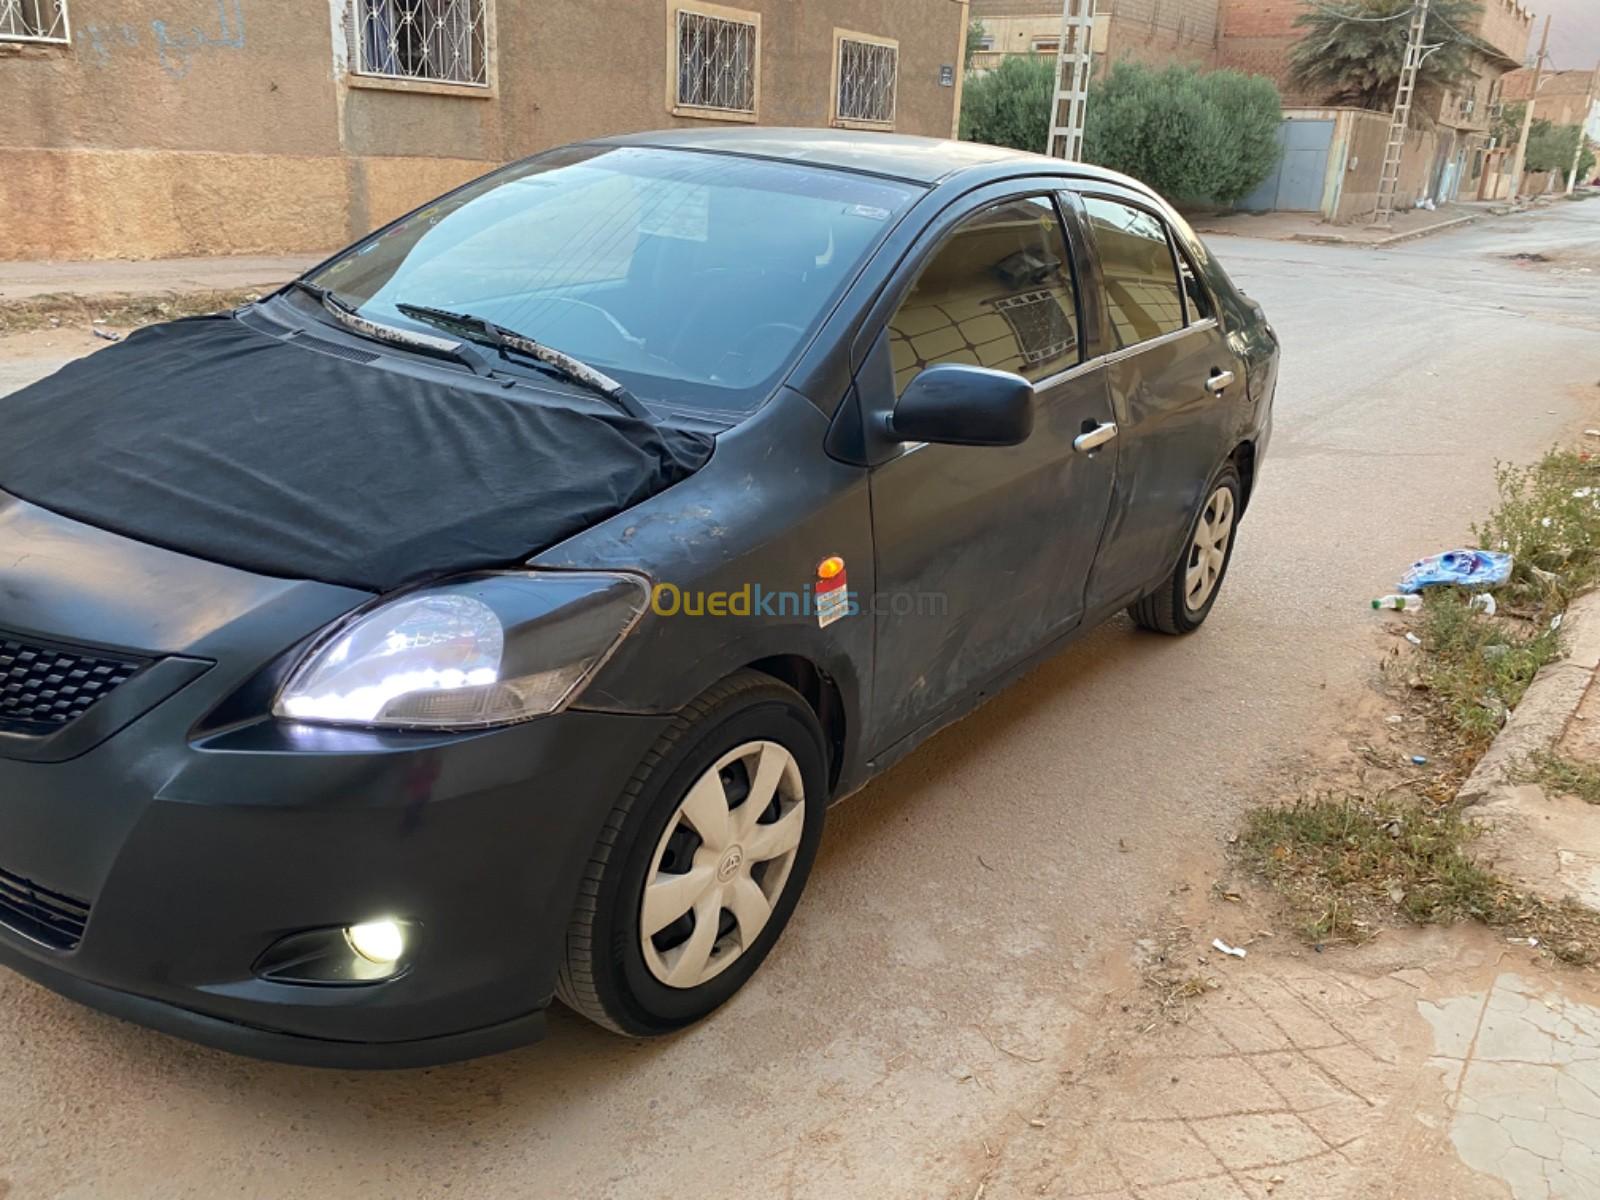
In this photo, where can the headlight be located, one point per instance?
(484, 650)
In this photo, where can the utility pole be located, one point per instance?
(1583, 130)
(1520, 159)
(1074, 61)
(1394, 152)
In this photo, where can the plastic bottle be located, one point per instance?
(1399, 603)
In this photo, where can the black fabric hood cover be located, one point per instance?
(207, 437)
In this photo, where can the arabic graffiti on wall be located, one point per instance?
(175, 49)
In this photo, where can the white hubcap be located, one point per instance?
(728, 849)
(1210, 549)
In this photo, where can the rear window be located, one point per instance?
(1141, 279)
(694, 278)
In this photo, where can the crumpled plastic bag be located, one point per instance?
(1461, 568)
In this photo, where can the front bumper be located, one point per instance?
(194, 856)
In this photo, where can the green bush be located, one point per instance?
(1194, 136)
(1553, 147)
(1010, 106)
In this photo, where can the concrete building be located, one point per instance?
(146, 128)
(1334, 156)
(1565, 97)
(1152, 31)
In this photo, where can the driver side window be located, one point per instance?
(998, 293)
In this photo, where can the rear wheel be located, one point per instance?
(701, 861)
(1183, 602)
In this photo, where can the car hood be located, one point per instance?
(302, 459)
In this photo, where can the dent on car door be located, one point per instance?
(1172, 377)
(984, 552)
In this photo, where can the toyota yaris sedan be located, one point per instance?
(492, 614)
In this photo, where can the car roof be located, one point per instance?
(922, 160)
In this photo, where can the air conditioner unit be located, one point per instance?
(1468, 107)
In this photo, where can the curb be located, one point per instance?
(1426, 231)
(1536, 725)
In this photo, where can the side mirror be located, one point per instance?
(955, 404)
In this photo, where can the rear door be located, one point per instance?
(1172, 378)
(983, 553)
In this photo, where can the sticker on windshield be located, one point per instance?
(870, 211)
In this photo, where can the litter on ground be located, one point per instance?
(1462, 568)
(1233, 951)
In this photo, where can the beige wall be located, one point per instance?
(1159, 32)
(1507, 25)
(1359, 143)
(210, 126)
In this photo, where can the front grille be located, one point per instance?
(45, 687)
(38, 913)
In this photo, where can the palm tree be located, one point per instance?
(1352, 51)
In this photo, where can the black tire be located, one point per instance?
(1166, 610)
(604, 976)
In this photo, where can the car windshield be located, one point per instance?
(693, 278)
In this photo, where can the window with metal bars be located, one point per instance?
(866, 76)
(34, 21)
(718, 52)
(432, 41)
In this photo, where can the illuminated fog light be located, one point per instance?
(380, 942)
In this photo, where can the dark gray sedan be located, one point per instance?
(493, 613)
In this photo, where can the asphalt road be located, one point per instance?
(959, 923)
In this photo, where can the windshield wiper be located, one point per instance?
(571, 369)
(341, 311)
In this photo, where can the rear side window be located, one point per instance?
(1141, 279)
(998, 293)
(1194, 291)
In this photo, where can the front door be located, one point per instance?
(983, 553)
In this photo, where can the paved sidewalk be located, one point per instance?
(1440, 1064)
(1310, 227)
(20, 281)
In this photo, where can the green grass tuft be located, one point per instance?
(1345, 862)
(1557, 774)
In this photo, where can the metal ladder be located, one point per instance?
(1074, 61)
(1389, 182)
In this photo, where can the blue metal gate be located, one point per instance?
(1296, 183)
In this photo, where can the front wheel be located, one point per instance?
(1182, 603)
(701, 861)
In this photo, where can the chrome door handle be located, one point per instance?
(1220, 382)
(1095, 438)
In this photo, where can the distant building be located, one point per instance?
(134, 128)
(1150, 31)
(1565, 97)
(1334, 155)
